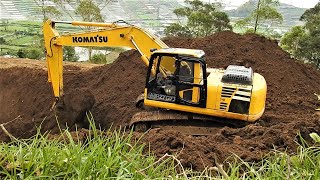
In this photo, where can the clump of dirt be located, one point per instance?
(71, 112)
(112, 90)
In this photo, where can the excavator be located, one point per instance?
(183, 93)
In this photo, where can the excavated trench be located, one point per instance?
(110, 91)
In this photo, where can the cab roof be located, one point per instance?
(182, 51)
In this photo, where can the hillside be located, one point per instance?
(291, 14)
(151, 13)
(140, 12)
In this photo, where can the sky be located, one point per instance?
(297, 3)
(301, 3)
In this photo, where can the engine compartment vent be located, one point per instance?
(238, 75)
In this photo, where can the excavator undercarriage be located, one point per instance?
(186, 123)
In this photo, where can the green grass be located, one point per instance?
(98, 157)
(20, 25)
(279, 165)
(117, 155)
(24, 40)
(9, 49)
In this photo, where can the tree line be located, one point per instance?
(303, 42)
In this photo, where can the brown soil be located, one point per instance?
(110, 91)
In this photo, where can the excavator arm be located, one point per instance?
(107, 34)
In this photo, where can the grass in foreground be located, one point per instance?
(98, 157)
(305, 164)
(116, 155)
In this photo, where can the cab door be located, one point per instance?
(191, 84)
(160, 82)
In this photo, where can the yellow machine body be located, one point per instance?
(218, 106)
(234, 100)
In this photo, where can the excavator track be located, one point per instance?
(187, 123)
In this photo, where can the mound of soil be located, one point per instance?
(25, 104)
(112, 89)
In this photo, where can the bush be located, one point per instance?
(69, 54)
(34, 53)
(21, 53)
(2, 40)
(31, 53)
(99, 58)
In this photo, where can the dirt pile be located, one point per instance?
(114, 88)
(291, 84)
(25, 104)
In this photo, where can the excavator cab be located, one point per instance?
(178, 78)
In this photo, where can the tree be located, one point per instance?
(99, 58)
(304, 42)
(176, 29)
(264, 11)
(202, 20)
(48, 10)
(312, 18)
(290, 41)
(69, 54)
(310, 44)
(89, 12)
(221, 21)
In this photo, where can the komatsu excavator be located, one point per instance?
(188, 96)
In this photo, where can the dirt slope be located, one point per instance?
(112, 89)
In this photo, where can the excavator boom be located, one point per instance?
(107, 34)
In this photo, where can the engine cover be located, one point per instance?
(238, 75)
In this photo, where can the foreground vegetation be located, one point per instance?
(120, 155)
(98, 156)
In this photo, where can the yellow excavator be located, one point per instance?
(185, 94)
